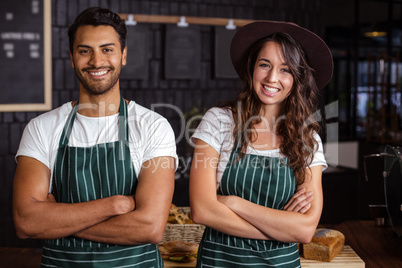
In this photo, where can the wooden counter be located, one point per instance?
(377, 246)
(29, 257)
(347, 258)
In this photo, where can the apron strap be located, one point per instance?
(68, 126)
(123, 124)
(123, 128)
(123, 121)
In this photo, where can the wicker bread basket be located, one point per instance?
(185, 232)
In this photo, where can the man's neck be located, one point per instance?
(99, 105)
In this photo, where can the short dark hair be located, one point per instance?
(97, 16)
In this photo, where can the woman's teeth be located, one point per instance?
(271, 89)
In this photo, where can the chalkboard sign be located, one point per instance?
(25, 55)
(223, 63)
(182, 52)
(137, 53)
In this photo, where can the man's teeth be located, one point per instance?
(271, 89)
(98, 73)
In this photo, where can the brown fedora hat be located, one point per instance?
(318, 54)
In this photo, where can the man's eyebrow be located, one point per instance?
(85, 46)
(109, 44)
(104, 45)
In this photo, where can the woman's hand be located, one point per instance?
(300, 201)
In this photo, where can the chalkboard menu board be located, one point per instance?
(25, 55)
(182, 52)
(223, 63)
(137, 53)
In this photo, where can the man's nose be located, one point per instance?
(96, 59)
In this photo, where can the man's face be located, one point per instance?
(97, 58)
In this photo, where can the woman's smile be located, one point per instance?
(270, 90)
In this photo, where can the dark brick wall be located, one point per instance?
(184, 94)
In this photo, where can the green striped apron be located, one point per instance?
(263, 180)
(87, 173)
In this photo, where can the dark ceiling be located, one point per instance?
(347, 19)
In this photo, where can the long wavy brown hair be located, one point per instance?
(296, 124)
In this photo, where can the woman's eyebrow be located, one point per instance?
(266, 60)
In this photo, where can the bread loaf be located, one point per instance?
(178, 251)
(324, 246)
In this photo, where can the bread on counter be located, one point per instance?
(178, 251)
(324, 246)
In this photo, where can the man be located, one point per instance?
(95, 177)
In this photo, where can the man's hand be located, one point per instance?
(50, 198)
(124, 204)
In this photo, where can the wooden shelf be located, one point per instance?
(190, 20)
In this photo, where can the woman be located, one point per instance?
(258, 161)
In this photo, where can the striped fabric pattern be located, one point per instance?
(87, 179)
(87, 173)
(263, 180)
(114, 256)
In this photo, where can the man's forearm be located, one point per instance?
(145, 224)
(133, 228)
(51, 220)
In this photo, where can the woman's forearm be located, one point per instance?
(286, 226)
(218, 216)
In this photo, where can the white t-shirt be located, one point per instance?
(216, 129)
(150, 134)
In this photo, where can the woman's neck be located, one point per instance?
(265, 132)
(271, 115)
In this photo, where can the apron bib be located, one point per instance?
(82, 174)
(263, 180)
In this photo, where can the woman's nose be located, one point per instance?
(272, 75)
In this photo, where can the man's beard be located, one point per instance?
(99, 87)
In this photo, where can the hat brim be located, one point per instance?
(318, 54)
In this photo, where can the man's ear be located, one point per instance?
(124, 56)
(71, 58)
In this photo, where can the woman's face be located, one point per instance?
(272, 80)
